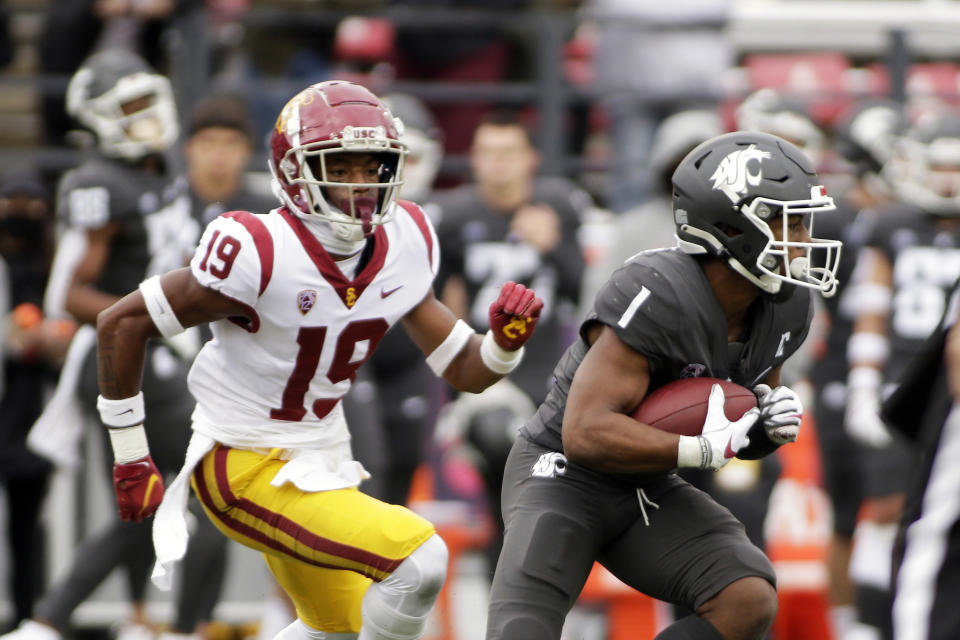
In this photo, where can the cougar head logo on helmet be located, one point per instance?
(125, 103)
(728, 190)
(329, 118)
(733, 175)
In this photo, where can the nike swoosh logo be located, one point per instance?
(387, 292)
(125, 412)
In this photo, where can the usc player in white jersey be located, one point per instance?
(298, 299)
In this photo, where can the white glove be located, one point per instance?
(720, 439)
(861, 418)
(781, 412)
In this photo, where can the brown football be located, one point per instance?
(681, 406)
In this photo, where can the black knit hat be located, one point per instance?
(228, 111)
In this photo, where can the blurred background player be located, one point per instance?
(911, 258)
(926, 408)
(33, 350)
(866, 139)
(122, 222)
(509, 224)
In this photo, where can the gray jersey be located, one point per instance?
(924, 252)
(661, 304)
(157, 232)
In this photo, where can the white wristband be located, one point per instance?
(865, 346)
(864, 378)
(129, 444)
(498, 359)
(692, 451)
(441, 357)
(159, 308)
(124, 412)
(872, 298)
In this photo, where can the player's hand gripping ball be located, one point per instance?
(681, 406)
(139, 488)
(514, 315)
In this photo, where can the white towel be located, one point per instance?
(56, 433)
(170, 533)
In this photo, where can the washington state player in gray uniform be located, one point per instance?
(585, 482)
(124, 219)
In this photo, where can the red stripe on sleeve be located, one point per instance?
(418, 216)
(261, 240)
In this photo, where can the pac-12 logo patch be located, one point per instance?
(305, 300)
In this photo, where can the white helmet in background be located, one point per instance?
(128, 105)
(769, 111)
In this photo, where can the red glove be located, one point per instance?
(514, 316)
(139, 488)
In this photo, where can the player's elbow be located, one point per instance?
(116, 324)
(579, 448)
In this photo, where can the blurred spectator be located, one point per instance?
(654, 59)
(218, 148)
(509, 225)
(911, 258)
(74, 29)
(33, 348)
(866, 139)
(120, 225)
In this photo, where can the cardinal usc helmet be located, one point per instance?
(125, 103)
(727, 191)
(330, 118)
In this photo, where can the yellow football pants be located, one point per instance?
(324, 548)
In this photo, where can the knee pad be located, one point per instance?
(298, 630)
(397, 607)
(422, 573)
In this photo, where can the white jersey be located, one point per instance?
(275, 379)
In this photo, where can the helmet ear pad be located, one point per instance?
(739, 237)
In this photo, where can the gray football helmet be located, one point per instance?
(728, 189)
(127, 104)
